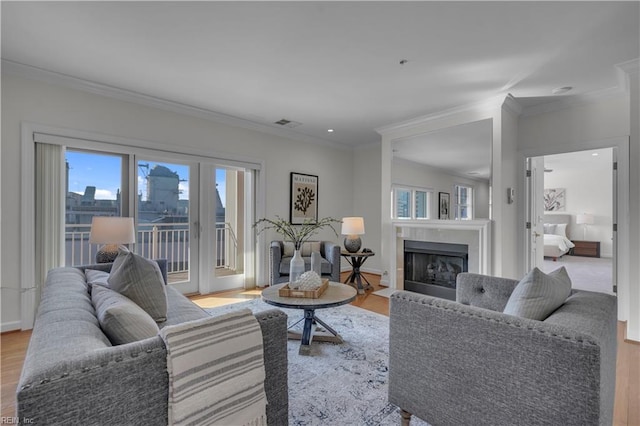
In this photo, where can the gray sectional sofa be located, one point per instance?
(73, 375)
(466, 362)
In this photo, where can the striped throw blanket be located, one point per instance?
(216, 371)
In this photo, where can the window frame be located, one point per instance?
(469, 204)
(412, 208)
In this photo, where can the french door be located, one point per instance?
(166, 225)
(227, 194)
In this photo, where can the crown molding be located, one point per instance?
(59, 79)
(511, 104)
(487, 104)
(572, 101)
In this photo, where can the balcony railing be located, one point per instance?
(155, 241)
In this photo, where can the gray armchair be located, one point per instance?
(465, 362)
(279, 262)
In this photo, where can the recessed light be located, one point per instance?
(330, 130)
(561, 90)
(595, 154)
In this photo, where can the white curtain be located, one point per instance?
(50, 184)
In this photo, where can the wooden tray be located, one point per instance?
(285, 291)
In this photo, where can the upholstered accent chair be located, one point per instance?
(466, 362)
(281, 252)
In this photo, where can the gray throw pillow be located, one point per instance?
(538, 294)
(95, 277)
(140, 280)
(120, 318)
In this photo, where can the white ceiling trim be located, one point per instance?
(59, 79)
(488, 104)
(571, 101)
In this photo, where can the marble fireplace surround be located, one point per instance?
(474, 233)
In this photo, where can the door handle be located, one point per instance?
(536, 234)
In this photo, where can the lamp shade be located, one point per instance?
(584, 219)
(352, 226)
(112, 230)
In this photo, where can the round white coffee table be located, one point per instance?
(336, 294)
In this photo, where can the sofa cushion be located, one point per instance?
(140, 280)
(538, 294)
(120, 318)
(95, 277)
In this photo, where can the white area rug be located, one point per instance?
(339, 384)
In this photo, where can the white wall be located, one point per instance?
(366, 201)
(61, 107)
(589, 189)
(404, 172)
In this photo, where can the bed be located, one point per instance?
(556, 241)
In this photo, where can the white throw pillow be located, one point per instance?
(538, 294)
(549, 228)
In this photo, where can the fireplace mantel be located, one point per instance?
(475, 233)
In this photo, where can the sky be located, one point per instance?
(103, 172)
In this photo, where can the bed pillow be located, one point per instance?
(121, 320)
(141, 281)
(538, 294)
(561, 229)
(549, 228)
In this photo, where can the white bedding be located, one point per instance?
(556, 245)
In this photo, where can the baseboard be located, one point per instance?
(10, 326)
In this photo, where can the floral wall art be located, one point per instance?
(304, 198)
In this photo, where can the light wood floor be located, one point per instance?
(13, 346)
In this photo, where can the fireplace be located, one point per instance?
(431, 268)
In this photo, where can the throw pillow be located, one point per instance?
(141, 281)
(289, 248)
(549, 228)
(95, 277)
(120, 319)
(538, 294)
(309, 247)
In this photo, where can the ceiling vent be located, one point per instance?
(287, 123)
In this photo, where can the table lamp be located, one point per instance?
(352, 227)
(585, 219)
(111, 231)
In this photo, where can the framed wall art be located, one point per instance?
(554, 199)
(304, 198)
(444, 203)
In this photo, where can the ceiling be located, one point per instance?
(328, 65)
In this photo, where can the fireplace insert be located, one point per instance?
(431, 268)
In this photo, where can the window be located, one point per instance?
(463, 200)
(411, 203)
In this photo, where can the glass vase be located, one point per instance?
(296, 269)
(316, 262)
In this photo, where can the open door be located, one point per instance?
(535, 212)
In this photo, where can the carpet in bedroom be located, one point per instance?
(339, 384)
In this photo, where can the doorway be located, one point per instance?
(572, 216)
